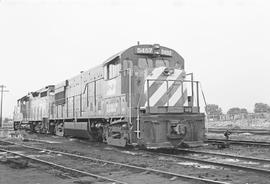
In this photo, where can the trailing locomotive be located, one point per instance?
(140, 96)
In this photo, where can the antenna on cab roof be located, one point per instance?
(138, 42)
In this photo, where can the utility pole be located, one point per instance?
(2, 92)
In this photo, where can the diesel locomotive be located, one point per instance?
(141, 96)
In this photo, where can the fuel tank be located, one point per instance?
(77, 129)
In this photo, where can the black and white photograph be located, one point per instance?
(134, 92)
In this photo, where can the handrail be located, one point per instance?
(192, 82)
(171, 80)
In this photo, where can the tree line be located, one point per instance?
(215, 110)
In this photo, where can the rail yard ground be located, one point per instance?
(239, 125)
(40, 173)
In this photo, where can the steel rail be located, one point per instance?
(234, 141)
(246, 168)
(63, 167)
(240, 129)
(253, 131)
(225, 155)
(127, 165)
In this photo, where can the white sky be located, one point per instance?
(226, 43)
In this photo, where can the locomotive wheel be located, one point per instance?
(37, 128)
(59, 129)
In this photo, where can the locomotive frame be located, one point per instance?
(140, 96)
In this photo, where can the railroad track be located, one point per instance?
(252, 131)
(59, 166)
(252, 164)
(240, 142)
(95, 160)
(226, 160)
(224, 154)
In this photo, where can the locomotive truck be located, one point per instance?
(140, 96)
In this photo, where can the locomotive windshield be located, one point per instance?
(144, 63)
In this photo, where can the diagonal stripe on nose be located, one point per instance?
(159, 95)
(172, 88)
(182, 100)
(157, 74)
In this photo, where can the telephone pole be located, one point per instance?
(2, 93)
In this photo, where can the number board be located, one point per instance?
(147, 50)
(150, 50)
(165, 52)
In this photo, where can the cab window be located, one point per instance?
(150, 63)
(112, 69)
(159, 63)
(178, 65)
(144, 63)
(162, 62)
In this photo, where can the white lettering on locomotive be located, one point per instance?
(144, 50)
(166, 52)
(112, 106)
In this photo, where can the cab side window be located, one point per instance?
(112, 69)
